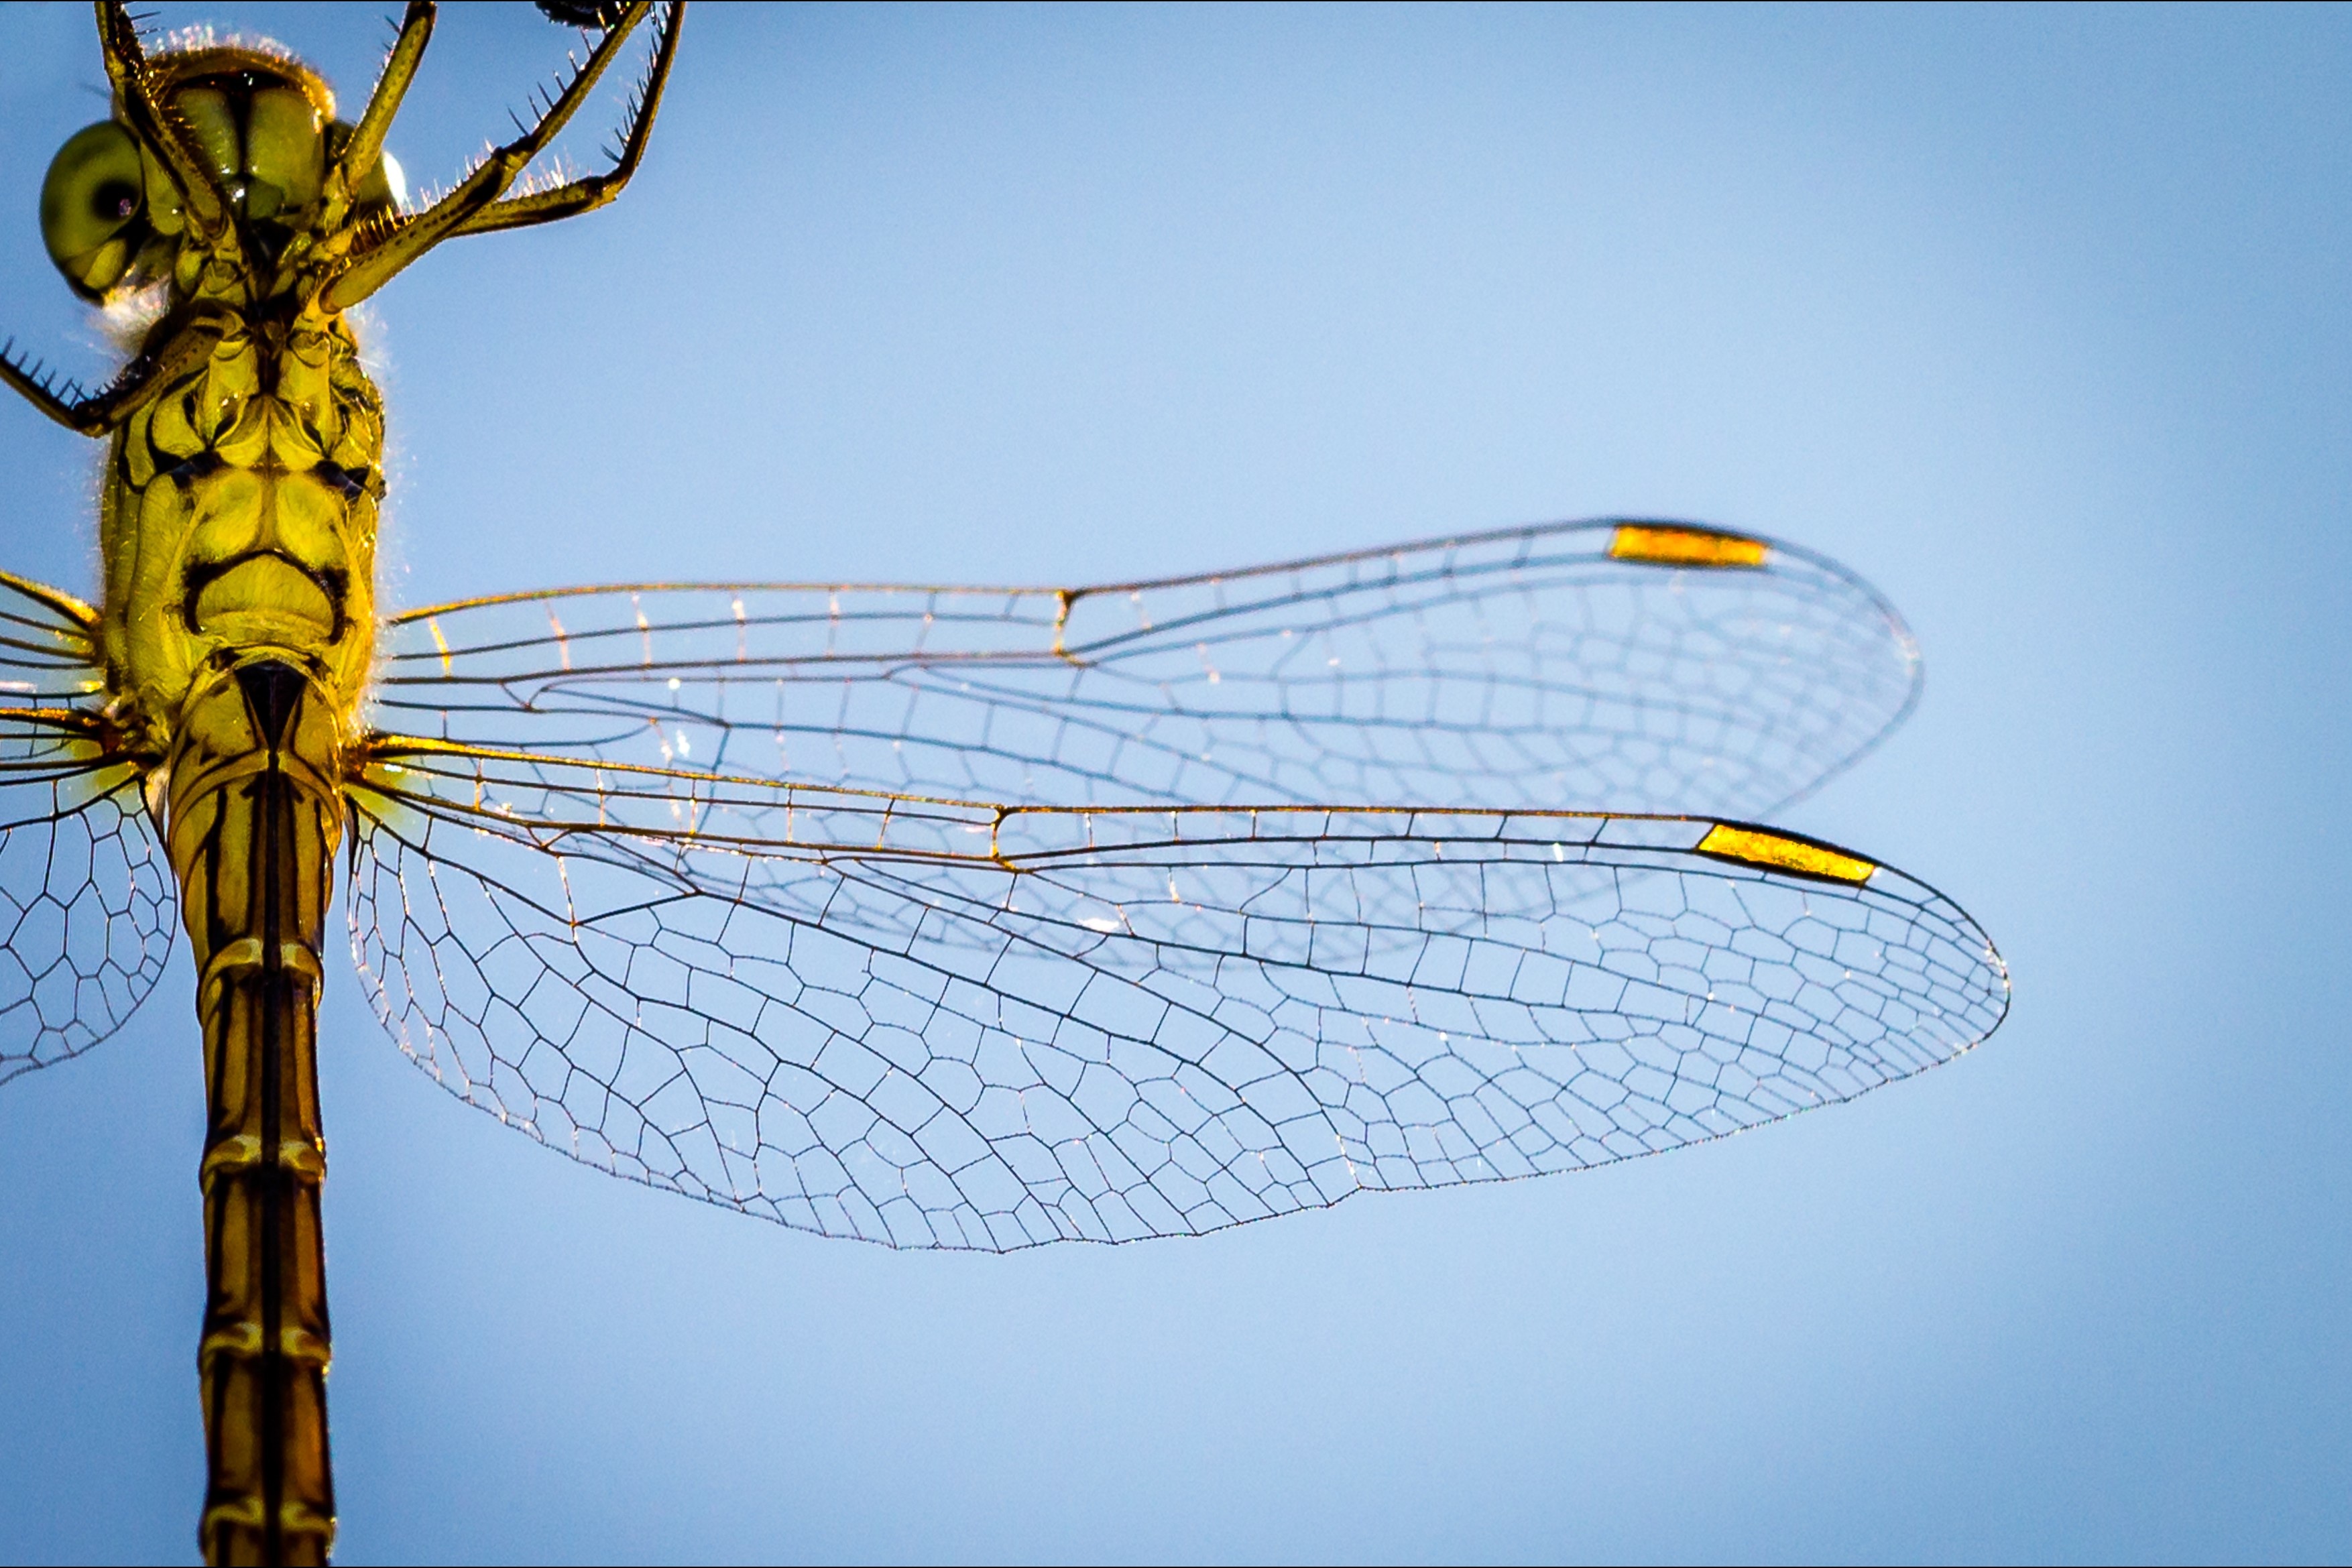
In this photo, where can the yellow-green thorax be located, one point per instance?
(239, 518)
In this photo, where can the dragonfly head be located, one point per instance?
(111, 215)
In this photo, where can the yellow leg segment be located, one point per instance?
(254, 817)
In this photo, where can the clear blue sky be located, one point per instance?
(2038, 319)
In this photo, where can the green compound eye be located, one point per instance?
(90, 203)
(285, 149)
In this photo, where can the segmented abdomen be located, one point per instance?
(253, 816)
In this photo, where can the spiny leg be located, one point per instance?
(359, 153)
(210, 216)
(411, 237)
(95, 413)
(587, 193)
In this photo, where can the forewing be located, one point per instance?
(937, 1025)
(1603, 666)
(87, 906)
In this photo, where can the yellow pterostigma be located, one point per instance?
(932, 917)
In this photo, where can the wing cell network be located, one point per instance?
(933, 1023)
(87, 903)
(1604, 666)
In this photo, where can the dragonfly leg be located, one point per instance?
(592, 191)
(358, 158)
(410, 236)
(95, 413)
(211, 217)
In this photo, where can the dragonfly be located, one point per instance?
(930, 916)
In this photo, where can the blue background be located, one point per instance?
(2037, 318)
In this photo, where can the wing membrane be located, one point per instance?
(1545, 667)
(87, 904)
(930, 1023)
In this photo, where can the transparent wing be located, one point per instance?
(87, 903)
(933, 1024)
(1604, 665)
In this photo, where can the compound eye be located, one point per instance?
(91, 204)
(284, 149)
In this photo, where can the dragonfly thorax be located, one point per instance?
(239, 522)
